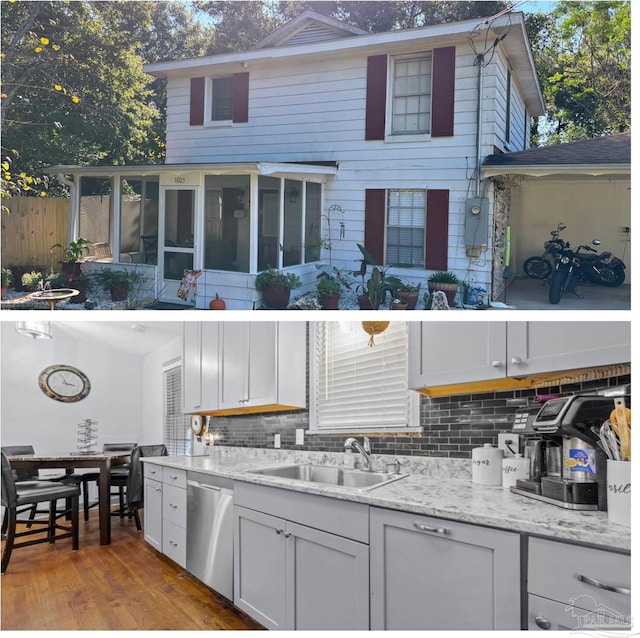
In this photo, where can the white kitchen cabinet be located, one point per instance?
(574, 587)
(200, 363)
(289, 575)
(452, 353)
(165, 510)
(435, 574)
(262, 365)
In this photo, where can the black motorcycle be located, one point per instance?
(542, 267)
(573, 267)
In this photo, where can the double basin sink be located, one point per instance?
(334, 476)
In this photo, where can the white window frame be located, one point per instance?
(174, 422)
(361, 406)
(390, 134)
(388, 192)
(208, 103)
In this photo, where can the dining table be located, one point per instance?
(70, 461)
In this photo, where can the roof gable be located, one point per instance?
(308, 27)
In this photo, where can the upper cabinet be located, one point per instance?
(443, 354)
(244, 367)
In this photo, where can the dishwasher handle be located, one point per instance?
(211, 488)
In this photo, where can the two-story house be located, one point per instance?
(322, 138)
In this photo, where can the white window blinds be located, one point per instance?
(358, 387)
(177, 434)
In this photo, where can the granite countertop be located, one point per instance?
(433, 487)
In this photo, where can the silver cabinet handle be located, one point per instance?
(175, 507)
(173, 543)
(496, 364)
(516, 361)
(542, 622)
(426, 528)
(195, 407)
(596, 583)
(287, 534)
(158, 489)
(279, 531)
(173, 477)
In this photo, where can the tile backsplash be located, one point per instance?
(452, 426)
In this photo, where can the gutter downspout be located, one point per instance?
(73, 224)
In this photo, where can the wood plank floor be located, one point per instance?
(123, 586)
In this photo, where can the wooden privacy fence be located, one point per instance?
(32, 227)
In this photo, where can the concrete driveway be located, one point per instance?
(531, 294)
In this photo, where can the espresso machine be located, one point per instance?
(567, 467)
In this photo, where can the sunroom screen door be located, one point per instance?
(176, 242)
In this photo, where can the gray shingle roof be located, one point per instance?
(612, 149)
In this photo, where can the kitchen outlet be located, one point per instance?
(509, 443)
(299, 436)
(276, 440)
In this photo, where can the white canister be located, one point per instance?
(619, 492)
(486, 465)
(514, 468)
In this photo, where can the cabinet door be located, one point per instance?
(447, 353)
(209, 366)
(153, 513)
(259, 567)
(547, 346)
(262, 369)
(327, 580)
(434, 574)
(234, 363)
(191, 370)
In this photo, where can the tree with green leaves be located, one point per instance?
(583, 57)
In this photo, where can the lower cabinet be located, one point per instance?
(578, 588)
(165, 511)
(434, 574)
(293, 576)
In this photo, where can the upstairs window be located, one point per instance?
(411, 98)
(222, 99)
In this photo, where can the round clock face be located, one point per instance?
(64, 383)
(198, 424)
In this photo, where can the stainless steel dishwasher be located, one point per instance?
(210, 531)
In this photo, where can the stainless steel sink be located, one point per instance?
(335, 476)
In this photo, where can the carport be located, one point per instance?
(585, 184)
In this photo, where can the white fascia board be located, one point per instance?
(535, 170)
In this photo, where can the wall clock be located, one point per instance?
(64, 383)
(198, 424)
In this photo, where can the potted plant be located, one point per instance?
(19, 271)
(409, 293)
(72, 255)
(374, 289)
(30, 280)
(328, 292)
(447, 282)
(398, 304)
(7, 278)
(117, 282)
(276, 287)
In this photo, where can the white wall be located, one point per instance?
(125, 397)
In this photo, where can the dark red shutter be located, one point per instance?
(196, 108)
(443, 91)
(376, 97)
(374, 222)
(437, 242)
(241, 97)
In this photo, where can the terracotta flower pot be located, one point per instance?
(411, 299)
(4, 291)
(365, 303)
(329, 302)
(399, 306)
(276, 298)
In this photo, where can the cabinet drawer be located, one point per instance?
(580, 576)
(547, 615)
(152, 471)
(171, 476)
(174, 542)
(174, 505)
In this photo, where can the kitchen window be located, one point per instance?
(360, 387)
(405, 227)
(411, 97)
(177, 434)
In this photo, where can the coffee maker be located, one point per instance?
(567, 465)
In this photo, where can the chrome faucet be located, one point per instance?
(365, 450)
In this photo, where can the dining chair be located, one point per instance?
(135, 482)
(118, 478)
(27, 477)
(16, 494)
